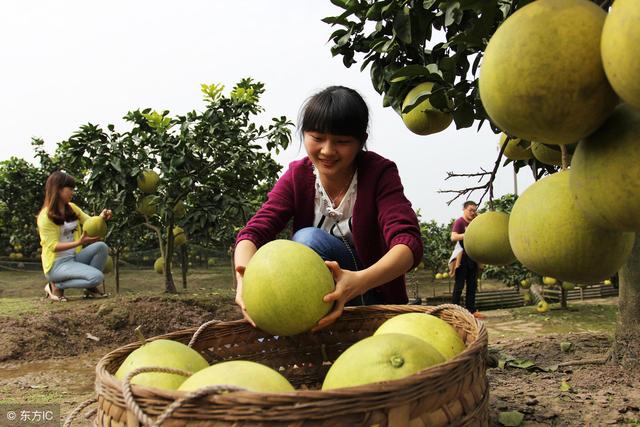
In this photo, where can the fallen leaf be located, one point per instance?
(510, 419)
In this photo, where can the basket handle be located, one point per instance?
(133, 406)
(201, 329)
(77, 409)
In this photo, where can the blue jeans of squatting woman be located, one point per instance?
(83, 270)
(332, 248)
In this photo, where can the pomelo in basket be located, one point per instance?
(284, 283)
(162, 353)
(379, 358)
(427, 327)
(240, 373)
(95, 226)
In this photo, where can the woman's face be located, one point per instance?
(332, 155)
(66, 194)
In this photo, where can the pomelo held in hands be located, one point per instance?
(95, 226)
(240, 373)
(427, 327)
(283, 286)
(379, 358)
(161, 353)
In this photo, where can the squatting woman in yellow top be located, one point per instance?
(67, 261)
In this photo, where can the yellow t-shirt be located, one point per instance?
(50, 235)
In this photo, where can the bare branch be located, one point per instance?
(488, 186)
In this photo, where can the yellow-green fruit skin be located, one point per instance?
(162, 353)
(513, 150)
(424, 119)
(379, 358)
(486, 239)
(148, 181)
(240, 373)
(427, 327)
(545, 154)
(158, 265)
(179, 236)
(148, 206)
(542, 77)
(283, 286)
(550, 236)
(620, 41)
(605, 172)
(108, 265)
(95, 226)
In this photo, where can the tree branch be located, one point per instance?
(488, 187)
(157, 231)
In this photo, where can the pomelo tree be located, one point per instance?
(214, 167)
(408, 42)
(21, 196)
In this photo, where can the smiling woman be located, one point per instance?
(346, 203)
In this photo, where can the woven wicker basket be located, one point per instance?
(452, 393)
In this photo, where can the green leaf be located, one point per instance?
(409, 71)
(566, 346)
(521, 363)
(464, 116)
(402, 25)
(565, 386)
(510, 419)
(452, 14)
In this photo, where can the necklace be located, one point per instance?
(341, 193)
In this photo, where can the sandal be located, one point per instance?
(94, 293)
(53, 297)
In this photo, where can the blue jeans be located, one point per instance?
(332, 248)
(83, 270)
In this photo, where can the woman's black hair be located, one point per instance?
(336, 110)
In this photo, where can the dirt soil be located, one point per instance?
(49, 356)
(596, 394)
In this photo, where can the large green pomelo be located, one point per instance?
(95, 226)
(379, 358)
(542, 78)
(148, 181)
(605, 176)
(427, 327)
(424, 119)
(240, 373)
(108, 265)
(283, 286)
(486, 239)
(546, 154)
(179, 237)
(158, 265)
(165, 354)
(514, 149)
(148, 205)
(550, 236)
(179, 210)
(620, 39)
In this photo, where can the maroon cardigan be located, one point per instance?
(382, 215)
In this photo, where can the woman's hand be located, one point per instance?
(106, 214)
(349, 284)
(239, 300)
(85, 239)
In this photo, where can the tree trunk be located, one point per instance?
(563, 297)
(184, 265)
(169, 286)
(116, 268)
(626, 345)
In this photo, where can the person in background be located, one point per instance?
(462, 268)
(67, 261)
(346, 203)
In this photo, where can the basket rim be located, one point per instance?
(239, 397)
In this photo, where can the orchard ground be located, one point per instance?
(48, 351)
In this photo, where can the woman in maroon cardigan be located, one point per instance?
(346, 203)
